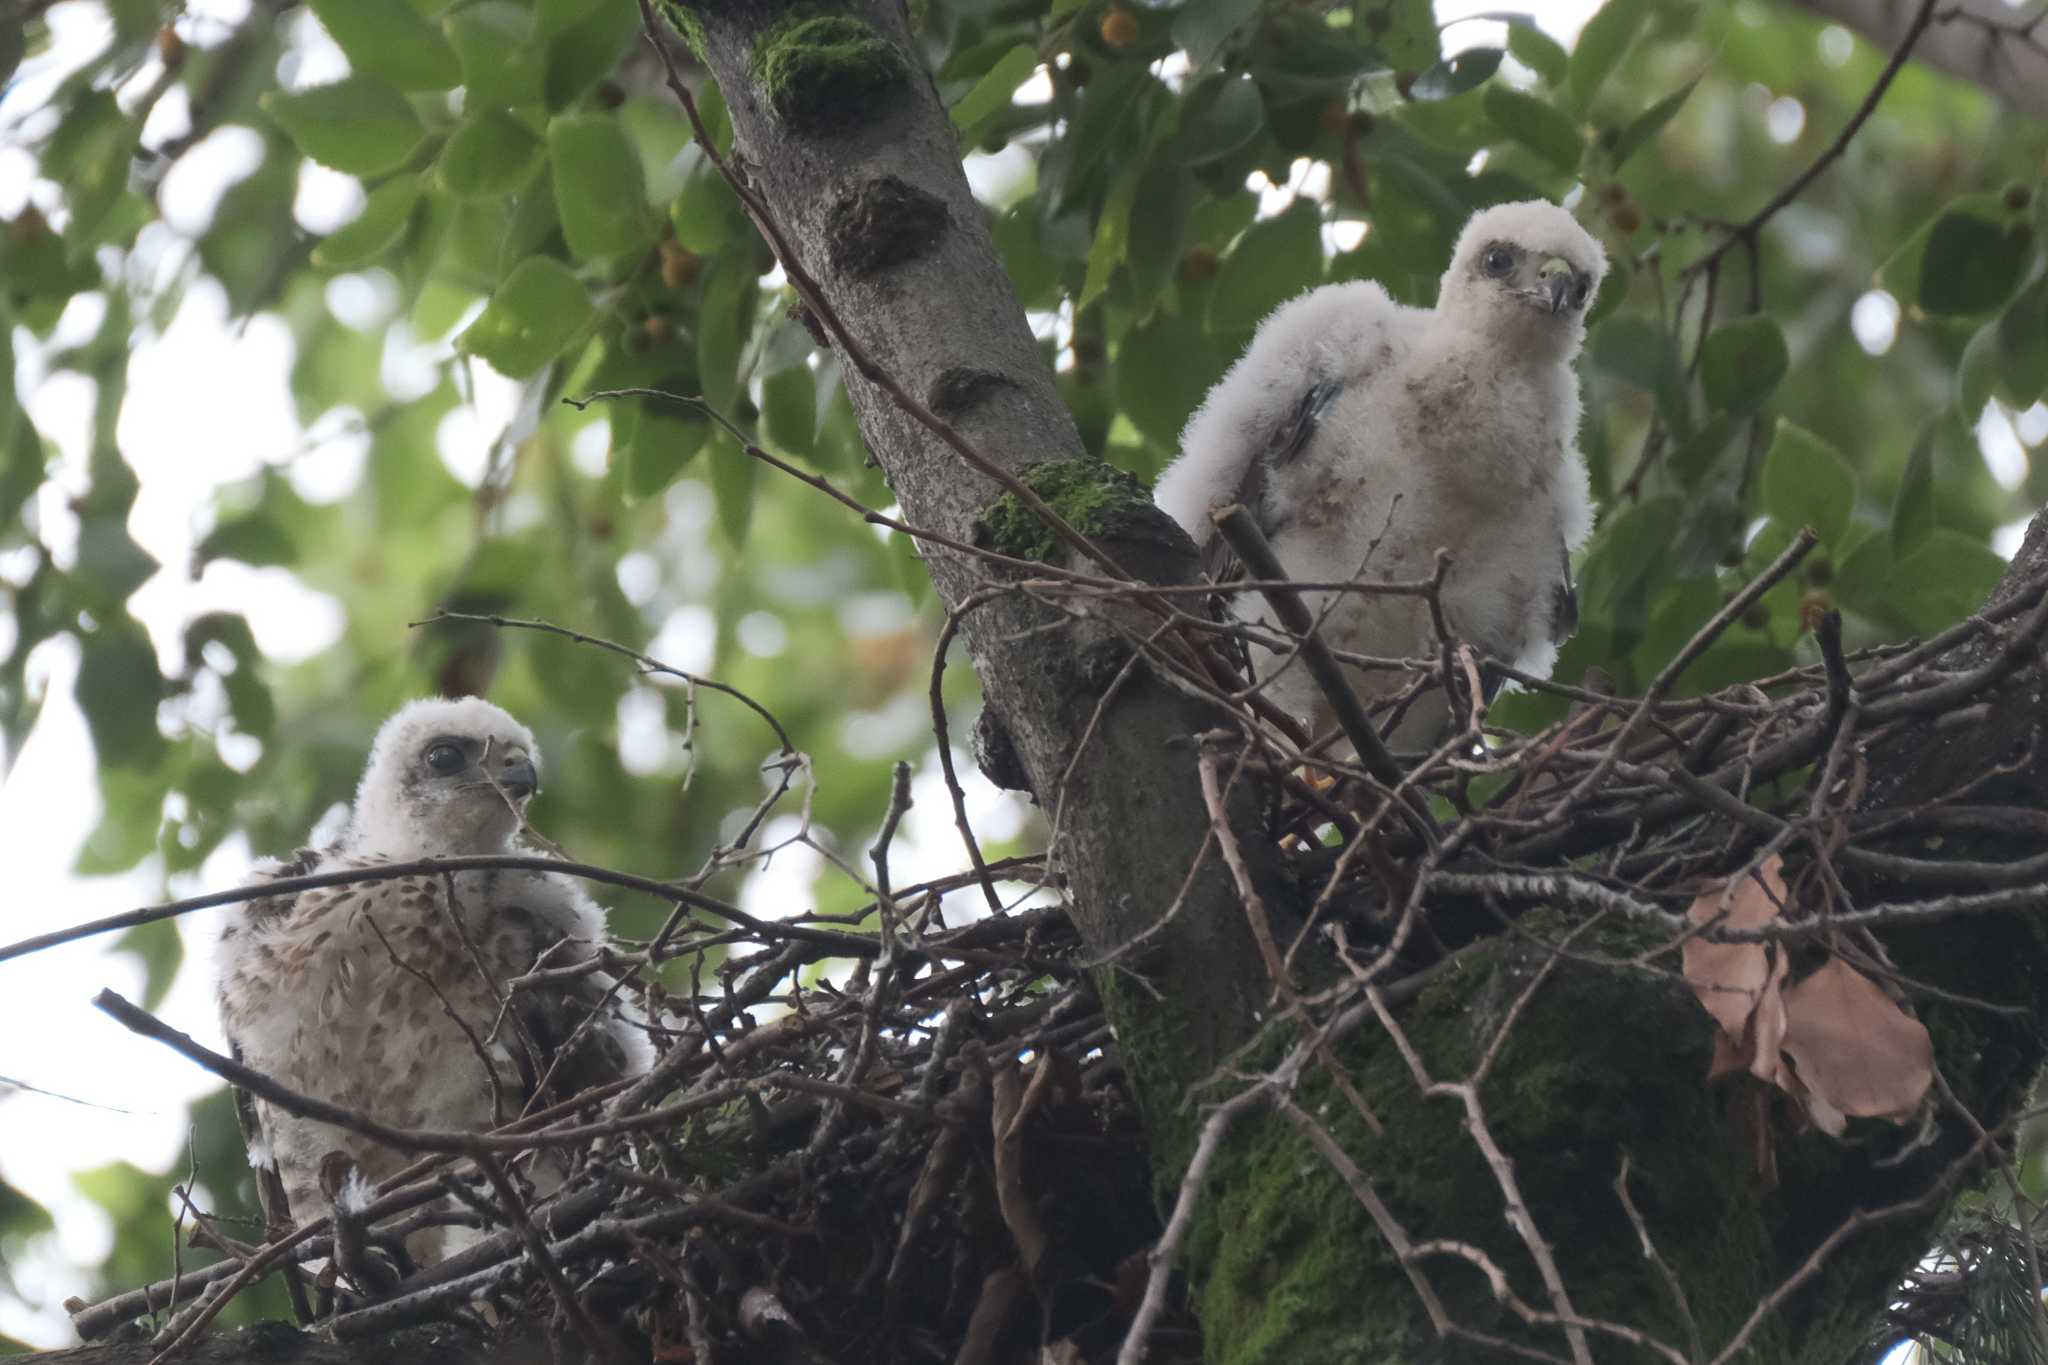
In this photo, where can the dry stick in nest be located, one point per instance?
(1235, 525)
(844, 945)
(470, 1144)
(400, 1193)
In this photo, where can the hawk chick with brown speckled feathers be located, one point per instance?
(346, 992)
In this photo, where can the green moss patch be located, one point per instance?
(1093, 497)
(824, 73)
(687, 24)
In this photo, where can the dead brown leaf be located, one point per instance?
(1858, 1053)
(1835, 1042)
(1738, 982)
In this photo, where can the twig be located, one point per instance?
(1747, 232)
(1235, 524)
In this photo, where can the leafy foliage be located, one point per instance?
(1161, 177)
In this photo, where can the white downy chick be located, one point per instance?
(1364, 435)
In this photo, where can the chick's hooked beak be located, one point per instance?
(1557, 280)
(518, 777)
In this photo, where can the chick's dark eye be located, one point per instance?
(446, 758)
(1498, 260)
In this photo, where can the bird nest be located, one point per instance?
(917, 1143)
(888, 1164)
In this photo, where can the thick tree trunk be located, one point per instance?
(864, 177)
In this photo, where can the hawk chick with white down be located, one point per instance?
(346, 992)
(1364, 435)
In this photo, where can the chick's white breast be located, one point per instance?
(1425, 456)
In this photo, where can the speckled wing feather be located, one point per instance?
(1564, 600)
(270, 1191)
(563, 1046)
(1285, 445)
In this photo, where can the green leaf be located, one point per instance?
(1468, 70)
(1157, 234)
(1112, 238)
(599, 190)
(1273, 261)
(585, 52)
(1613, 292)
(1947, 578)
(387, 213)
(1939, 583)
(118, 688)
(1219, 119)
(789, 409)
(661, 443)
(1913, 504)
(1650, 122)
(1540, 52)
(1806, 482)
(1742, 363)
(1978, 372)
(1637, 350)
(501, 67)
(1913, 273)
(1404, 33)
(994, 89)
(2023, 346)
(1536, 125)
(1696, 456)
(551, 17)
(89, 154)
(720, 331)
(1971, 264)
(533, 317)
(253, 538)
(1628, 557)
(390, 40)
(733, 475)
(1202, 27)
(358, 125)
(1163, 367)
(703, 214)
(161, 950)
(129, 829)
(487, 155)
(110, 563)
(1602, 44)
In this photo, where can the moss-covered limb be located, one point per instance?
(1287, 1267)
(826, 73)
(1094, 497)
(685, 23)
